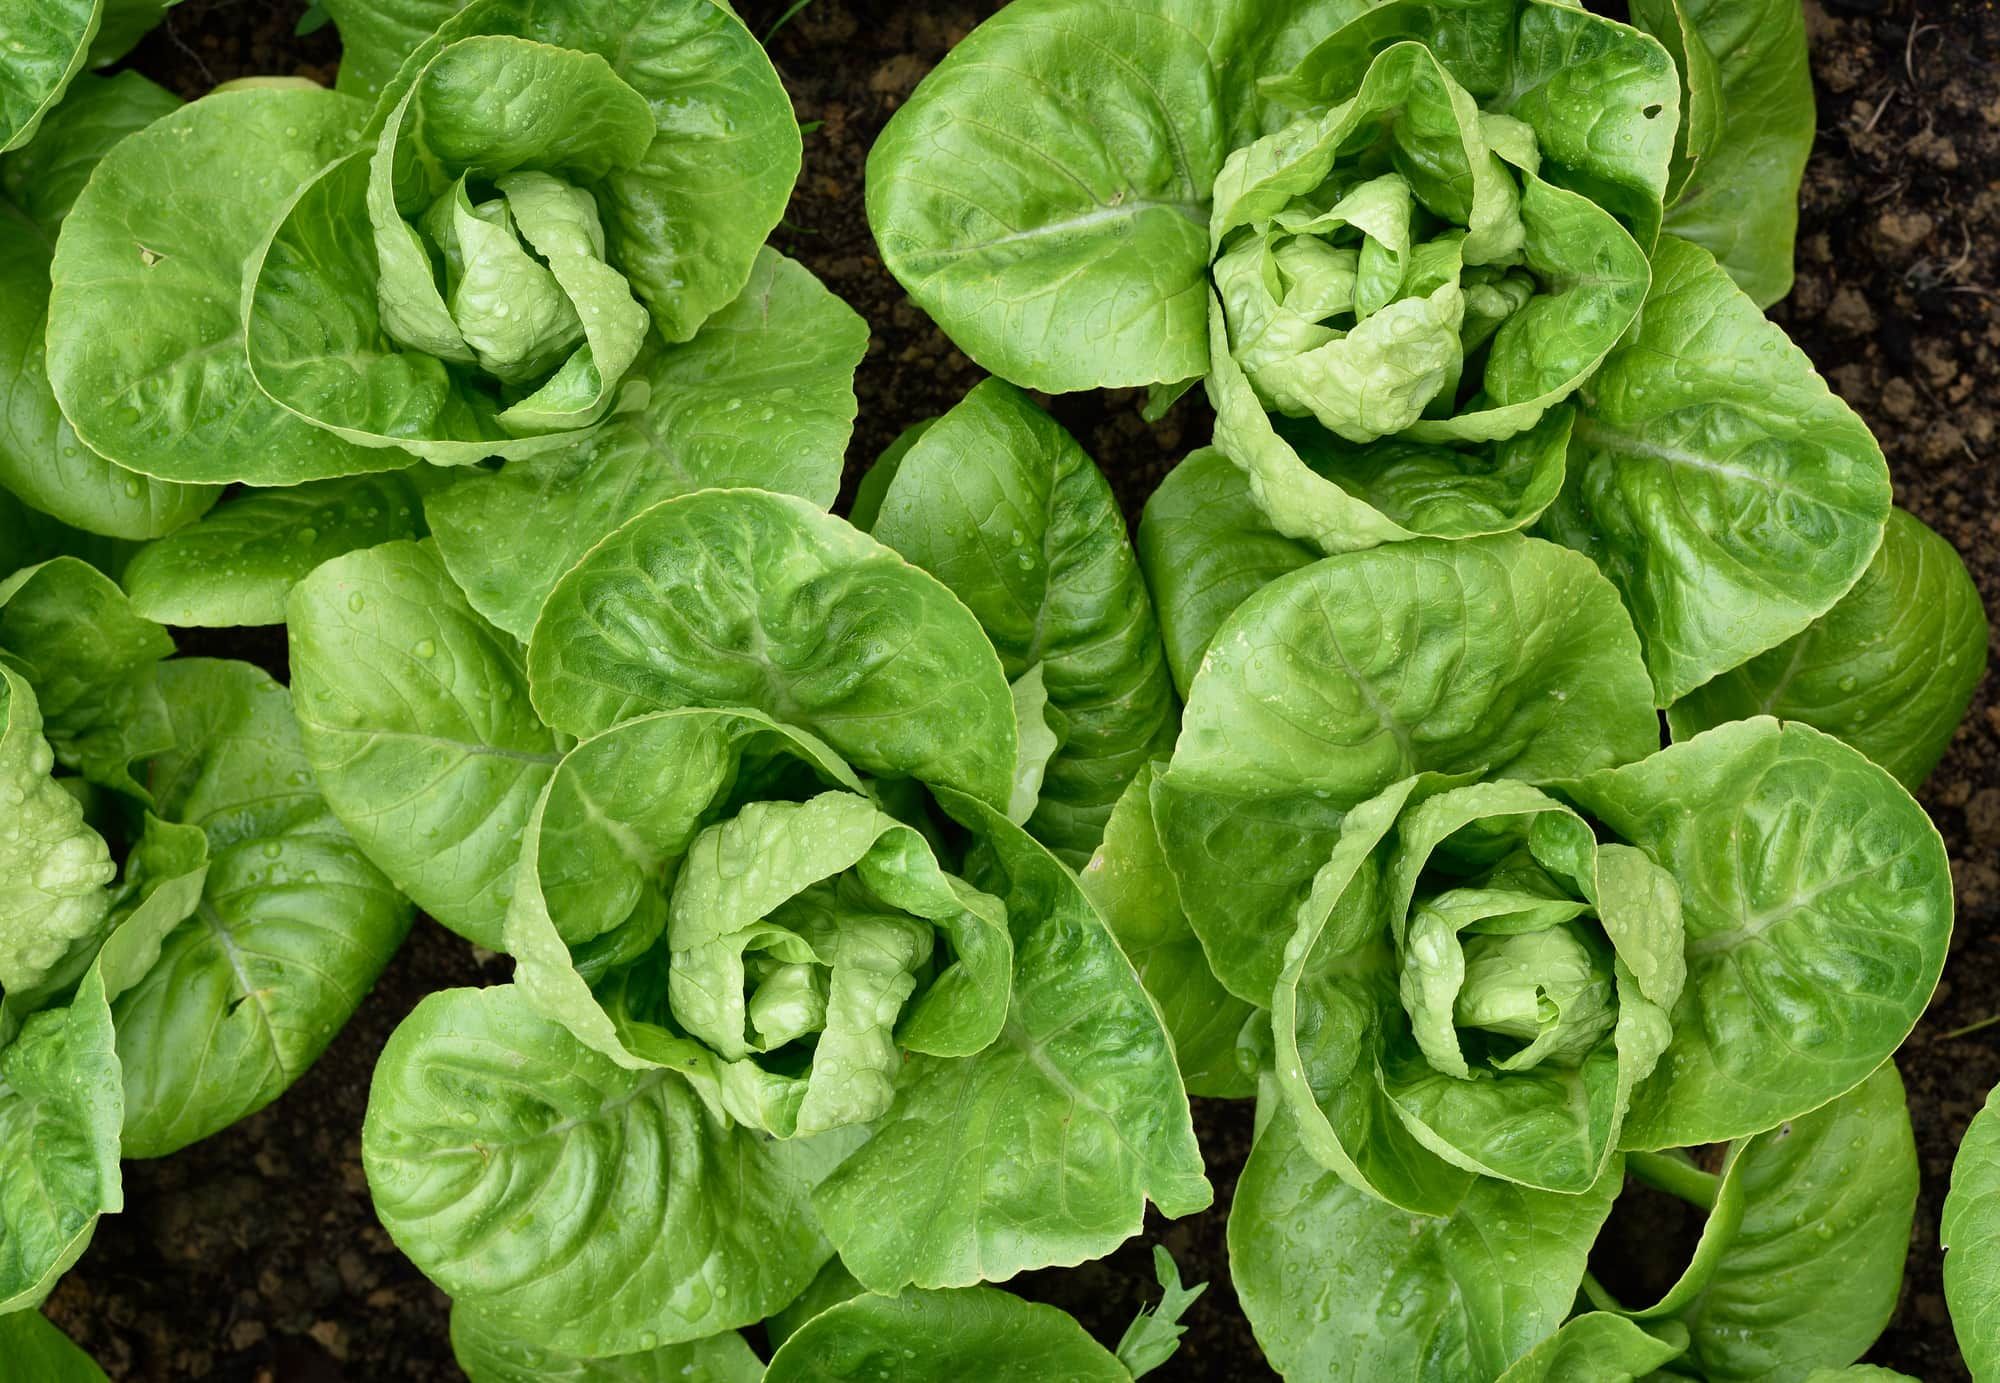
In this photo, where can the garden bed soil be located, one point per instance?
(255, 1255)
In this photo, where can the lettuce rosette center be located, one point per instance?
(746, 911)
(1411, 301)
(491, 245)
(1395, 265)
(1509, 979)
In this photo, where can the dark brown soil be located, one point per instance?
(255, 1255)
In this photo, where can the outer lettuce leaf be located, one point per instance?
(293, 925)
(1889, 669)
(1970, 1236)
(1043, 1148)
(828, 631)
(377, 35)
(762, 396)
(41, 459)
(92, 660)
(1817, 900)
(1742, 201)
(1000, 503)
(833, 1286)
(490, 1354)
(174, 397)
(1130, 884)
(693, 1227)
(1060, 238)
(1206, 548)
(237, 565)
(1730, 497)
(932, 1337)
(61, 1105)
(399, 683)
(32, 1344)
(47, 45)
(1340, 1285)
(1812, 1273)
(1601, 1347)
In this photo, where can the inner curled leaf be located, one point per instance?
(1395, 265)
(492, 252)
(805, 935)
(1513, 977)
(748, 913)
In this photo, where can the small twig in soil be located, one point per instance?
(1876, 118)
(1970, 1028)
(1917, 31)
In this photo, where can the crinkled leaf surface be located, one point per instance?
(56, 867)
(1719, 484)
(1817, 901)
(997, 501)
(1502, 656)
(70, 631)
(583, 1207)
(1045, 1147)
(60, 1100)
(293, 926)
(1890, 669)
(742, 598)
(762, 396)
(415, 716)
(345, 323)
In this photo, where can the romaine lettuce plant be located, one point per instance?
(141, 1013)
(1511, 952)
(488, 264)
(1447, 270)
(778, 892)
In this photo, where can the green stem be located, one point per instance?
(1599, 1296)
(1673, 1173)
